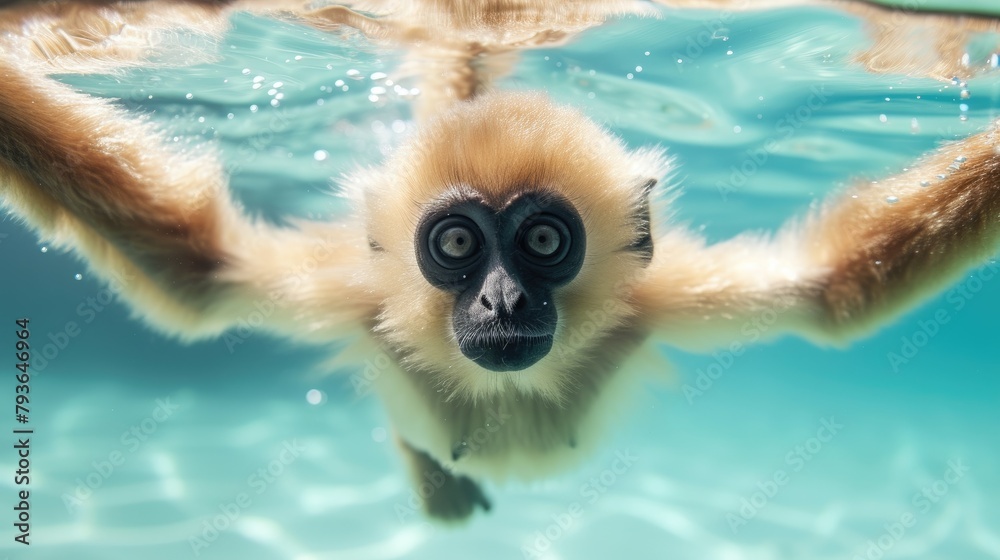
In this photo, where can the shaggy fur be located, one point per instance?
(95, 180)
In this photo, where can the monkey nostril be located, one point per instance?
(520, 303)
(486, 303)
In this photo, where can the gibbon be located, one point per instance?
(508, 261)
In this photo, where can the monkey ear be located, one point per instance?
(643, 244)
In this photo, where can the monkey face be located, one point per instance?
(502, 265)
(505, 240)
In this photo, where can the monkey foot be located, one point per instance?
(445, 496)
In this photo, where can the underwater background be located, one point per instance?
(886, 449)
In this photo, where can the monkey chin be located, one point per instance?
(513, 353)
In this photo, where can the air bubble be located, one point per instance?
(925, 183)
(961, 159)
(246, 71)
(275, 103)
(230, 116)
(320, 155)
(314, 396)
(45, 249)
(892, 199)
(965, 94)
(258, 79)
(189, 96)
(78, 276)
(277, 84)
(629, 75)
(883, 118)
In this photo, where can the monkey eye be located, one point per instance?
(545, 239)
(454, 242)
(542, 240)
(457, 242)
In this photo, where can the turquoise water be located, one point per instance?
(745, 448)
(966, 6)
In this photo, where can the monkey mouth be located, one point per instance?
(511, 352)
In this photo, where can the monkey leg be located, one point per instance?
(446, 496)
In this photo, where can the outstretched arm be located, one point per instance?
(888, 245)
(865, 256)
(94, 180)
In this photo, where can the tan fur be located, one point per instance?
(848, 268)
(908, 42)
(96, 180)
(87, 176)
(883, 256)
(498, 147)
(455, 49)
(83, 37)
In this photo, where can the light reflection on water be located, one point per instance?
(767, 116)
